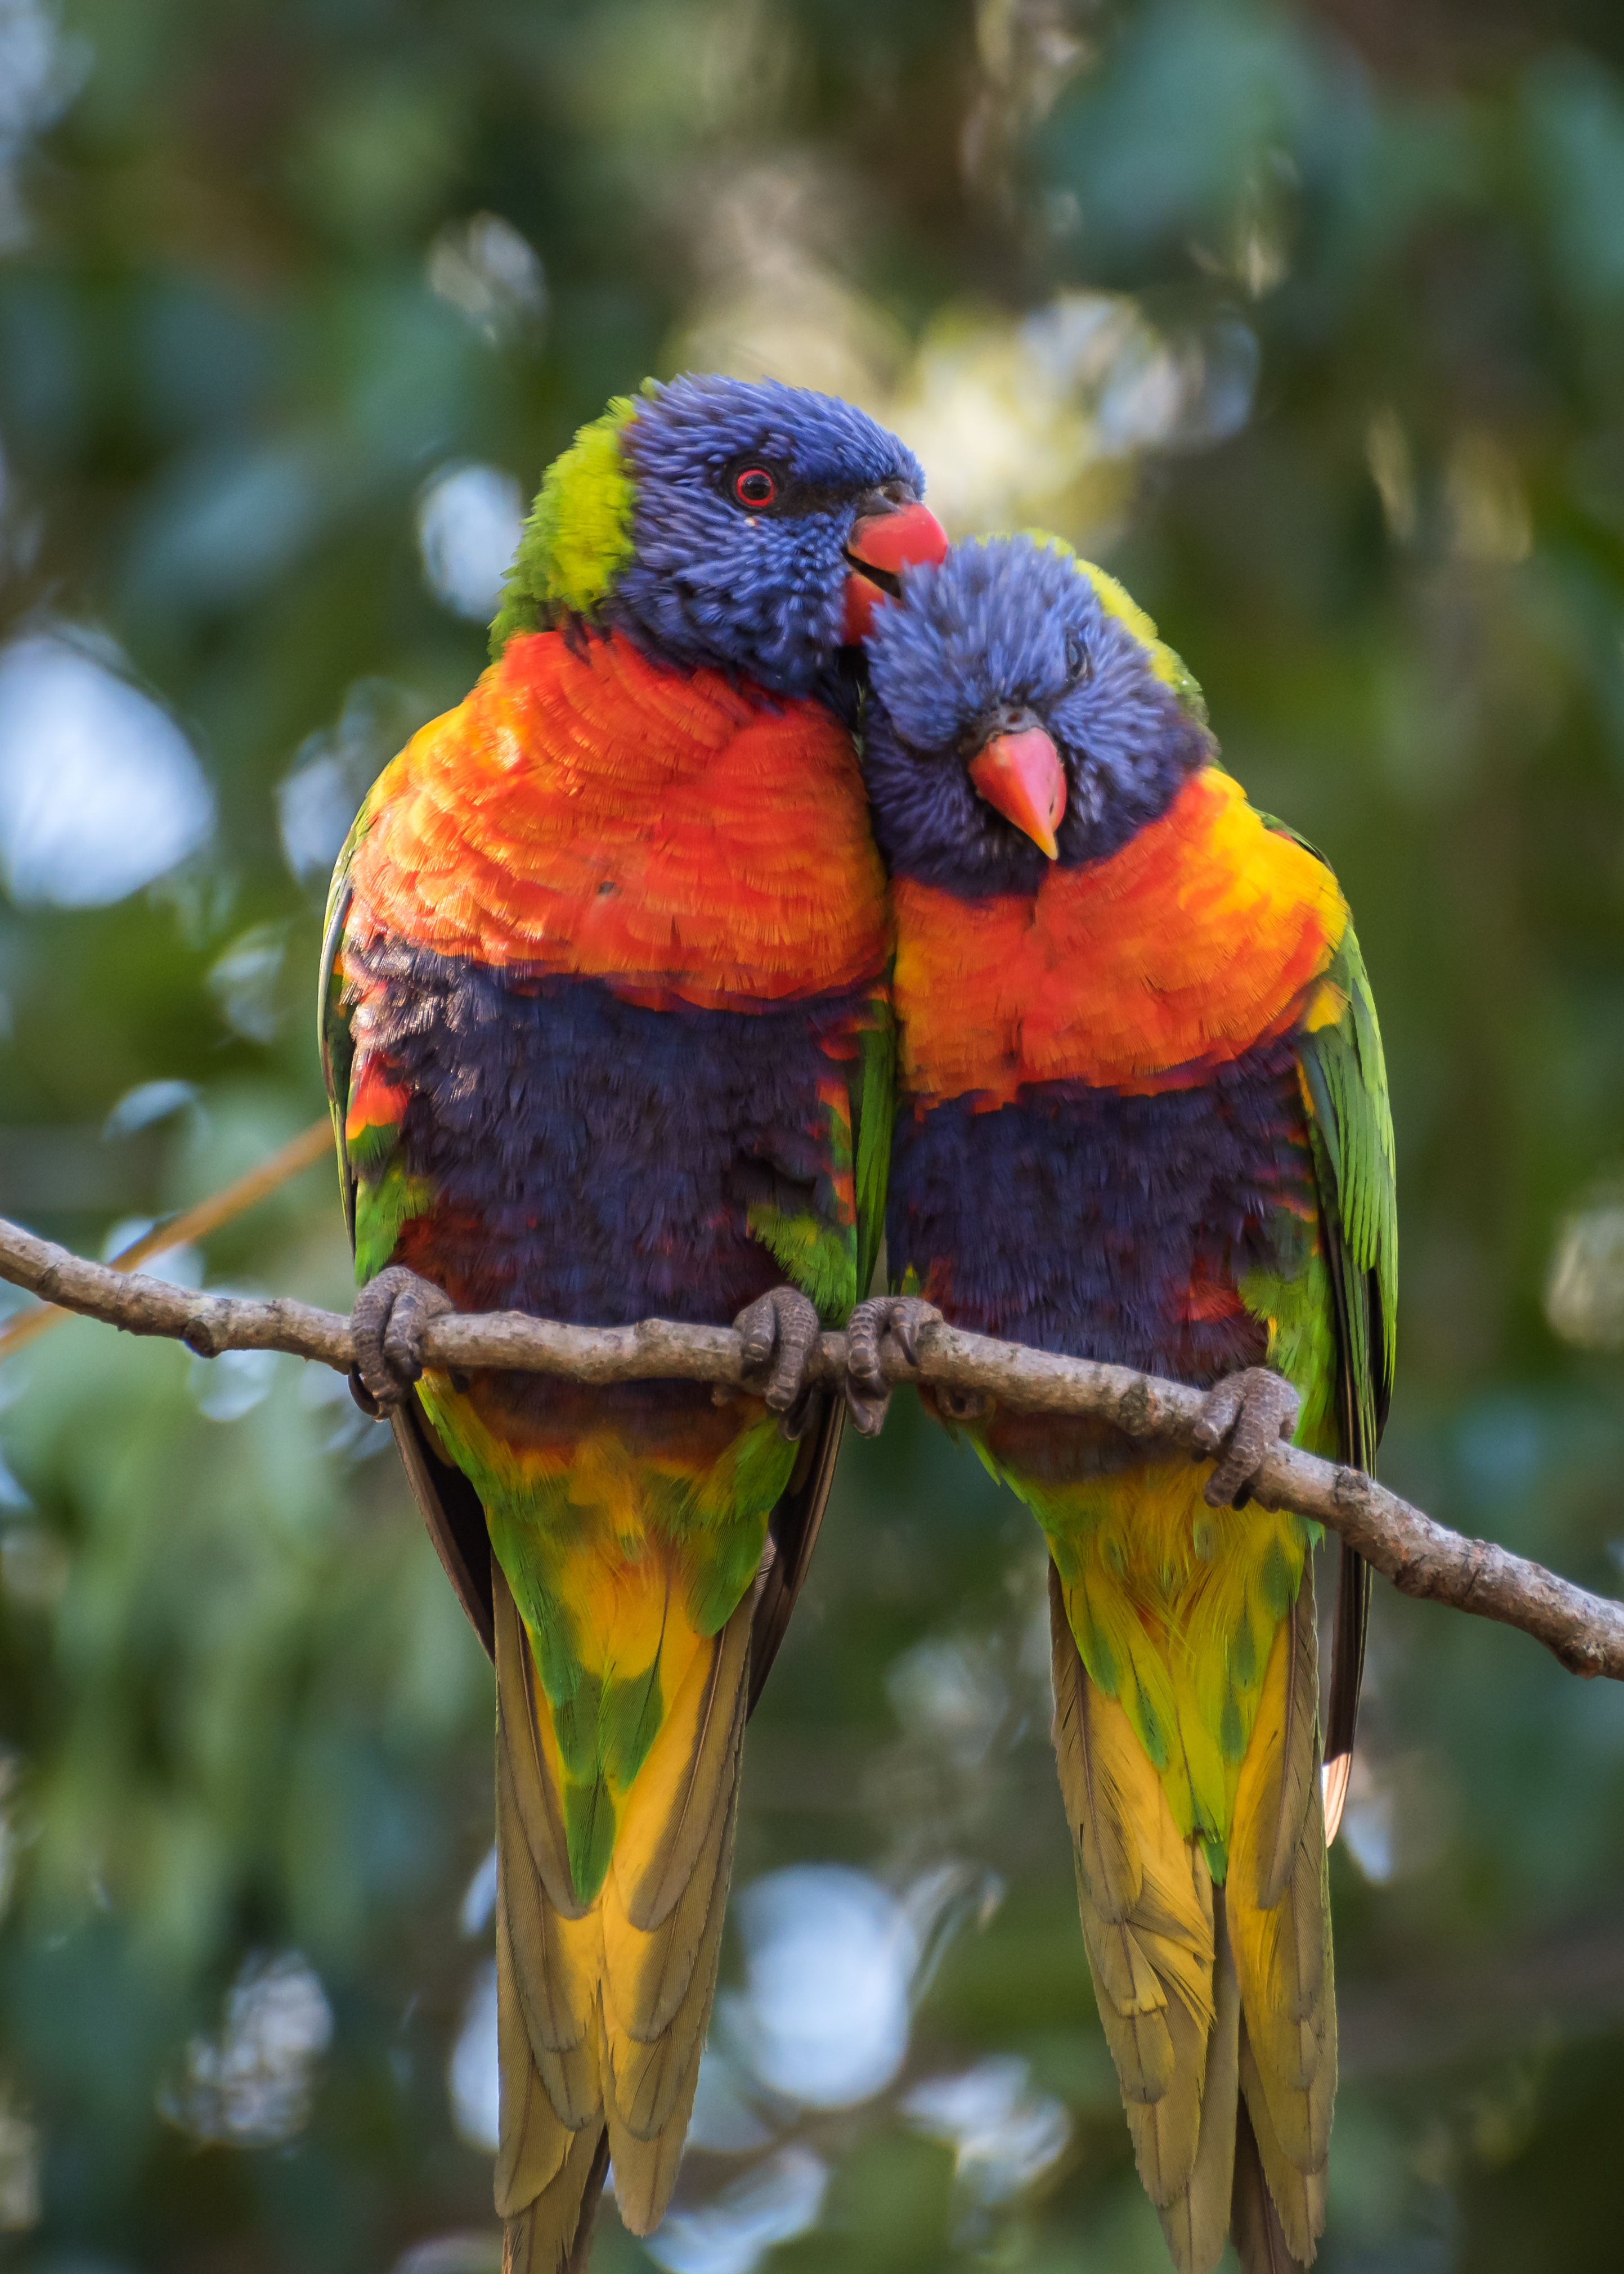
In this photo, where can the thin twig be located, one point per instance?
(1420, 1557)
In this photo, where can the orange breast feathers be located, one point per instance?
(585, 811)
(1203, 936)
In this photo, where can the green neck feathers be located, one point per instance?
(579, 535)
(1170, 668)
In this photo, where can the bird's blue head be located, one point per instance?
(744, 525)
(1023, 712)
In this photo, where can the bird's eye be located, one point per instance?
(754, 487)
(1080, 664)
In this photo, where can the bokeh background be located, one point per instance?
(1310, 321)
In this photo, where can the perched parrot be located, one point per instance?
(1143, 1119)
(605, 1022)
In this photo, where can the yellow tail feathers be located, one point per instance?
(602, 2007)
(555, 2234)
(1217, 2002)
(1280, 1929)
(1260, 2240)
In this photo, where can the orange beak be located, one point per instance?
(1022, 776)
(883, 543)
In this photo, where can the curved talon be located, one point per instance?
(1253, 1410)
(867, 1392)
(388, 1323)
(780, 1331)
(364, 1398)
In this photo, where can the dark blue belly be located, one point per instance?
(1111, 1227)
(595, 1160)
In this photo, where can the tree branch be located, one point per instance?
(1420, 1557)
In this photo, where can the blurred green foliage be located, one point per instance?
(1311, 321)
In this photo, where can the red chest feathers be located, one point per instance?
(1204, 936)
(586, 811)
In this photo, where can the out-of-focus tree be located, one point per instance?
(1311, 322)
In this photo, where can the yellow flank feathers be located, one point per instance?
(1326, 1006)
(1175, 1605)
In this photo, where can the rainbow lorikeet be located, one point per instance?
(605, 1019)
(1143, 1119)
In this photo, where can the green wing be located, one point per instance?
(875, 1110)
(1345, 1081)
(799, 1512)
(333, 1039)
(450, 1506)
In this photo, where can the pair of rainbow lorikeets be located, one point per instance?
(790, 880)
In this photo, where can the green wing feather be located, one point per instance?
(335, 1042)
(799, 1509)
(875, 1103)
(450, 1506)
(1346, 1084)
(1345, 1081)
(333, 1039)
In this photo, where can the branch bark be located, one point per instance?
(1422, 1558)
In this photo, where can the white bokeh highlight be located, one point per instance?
(469, 522)
(479, 1898)
(147, 1104)
(244, 982)
(830, 1959)
(781, 2198)
(1004, 2134)
(252, 2086)
(474, 2077)
(99, 791)
(485, 268)
(318, 799)
(226, 1388)
(40, 73)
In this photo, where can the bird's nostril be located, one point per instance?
(1010, 719)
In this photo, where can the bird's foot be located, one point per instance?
(780, 1332)
(867, 1392)
(386, 1324)
(1244, 1417)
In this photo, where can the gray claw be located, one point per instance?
(780, 1331)
(867, 1392)
(388, 1323)
(1253, 1410)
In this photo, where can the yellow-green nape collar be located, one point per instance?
(1167, 665)
(579, 534)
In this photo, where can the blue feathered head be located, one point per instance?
(741, 524)
(1023, 710)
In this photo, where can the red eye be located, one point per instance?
(754, 487)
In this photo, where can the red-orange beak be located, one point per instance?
(881, 544)
(1021, 774)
